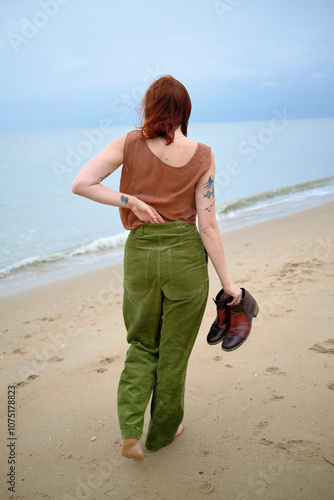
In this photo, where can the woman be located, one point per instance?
(166, 180)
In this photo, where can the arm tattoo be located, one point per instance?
(104, 177)
(209, 208)
(209, 194)
(124, 199)
(207, 186)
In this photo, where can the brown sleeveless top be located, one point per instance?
(170, 190)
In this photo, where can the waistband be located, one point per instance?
(177, 226)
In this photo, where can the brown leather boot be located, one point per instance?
(241, 316)
(220, 325)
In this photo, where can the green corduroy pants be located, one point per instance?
(165, 294)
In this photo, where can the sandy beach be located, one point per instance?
(258, 420)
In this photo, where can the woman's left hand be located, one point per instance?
(145, 212)
(234, 291)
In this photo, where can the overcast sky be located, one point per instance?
(73, 63)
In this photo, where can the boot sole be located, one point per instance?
(255, 313)
(218, 341)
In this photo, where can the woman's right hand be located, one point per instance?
(145, 212)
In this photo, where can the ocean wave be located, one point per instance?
(108, 242)
(243, 208)
(261, 200)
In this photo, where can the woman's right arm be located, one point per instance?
(88, 183)
(209, 230)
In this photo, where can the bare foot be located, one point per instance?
(131, 449)
(179, 431)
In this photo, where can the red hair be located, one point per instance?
(166, 105)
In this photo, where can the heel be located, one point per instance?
(256, 310)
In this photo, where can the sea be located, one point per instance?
(264, 169)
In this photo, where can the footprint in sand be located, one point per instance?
(19, 351)
(266, 442)
(108, 360)
(260, 426)
(275, 370)
(100, 370)
(206, 488)
(324, 349)
(297, 272)
(275, 397)
(55, 359)
(331, 386)
(105, 361)
(26, 381)
(298, 448)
